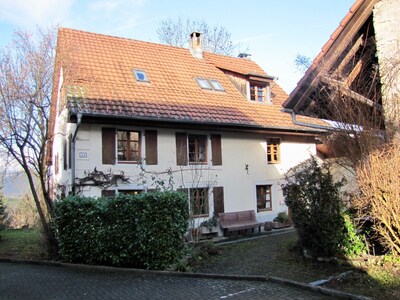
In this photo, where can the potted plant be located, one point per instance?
(281, 221)
(209, 226)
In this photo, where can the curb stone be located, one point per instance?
(272, 279)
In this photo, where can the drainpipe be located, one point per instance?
(78, 124)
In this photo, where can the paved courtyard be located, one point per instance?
(31, 281)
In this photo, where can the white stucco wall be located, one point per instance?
(238, 151)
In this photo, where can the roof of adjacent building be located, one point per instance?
(98, 80)
(331, 52)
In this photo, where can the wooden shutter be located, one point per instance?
(108, 146)
(218, 192)
(151, 147)
(65, 160)
(181, 148)
(216, 149)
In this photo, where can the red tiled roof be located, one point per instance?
(100, 81)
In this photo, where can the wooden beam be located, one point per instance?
(345, 90)
(354, 73)
(350, 54)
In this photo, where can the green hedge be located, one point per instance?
(143, 231)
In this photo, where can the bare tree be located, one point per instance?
(26, 72)
(216, 39)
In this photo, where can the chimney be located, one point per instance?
(196, 45)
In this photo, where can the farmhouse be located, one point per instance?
(129, 116)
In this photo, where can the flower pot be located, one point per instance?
(279, 225)
(268, 226)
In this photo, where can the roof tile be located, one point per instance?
(101, 82)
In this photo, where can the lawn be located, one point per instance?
(21, 244)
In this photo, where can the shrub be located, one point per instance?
(315, 204)
(378, 177)
(144, 230)
(3, 213)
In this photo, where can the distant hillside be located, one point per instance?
(15, 185)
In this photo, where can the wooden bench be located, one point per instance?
(239, 220)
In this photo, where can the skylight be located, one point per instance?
(141, 75)
(203, 83)
(209, 84)
(216, 85)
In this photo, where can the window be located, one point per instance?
(264, 197)
(209, 84)
(140, 75)
(128, 145)
(199, 202)
(197, 148)
(193, 149)
(273, 151)
(257, 93)
(216, 85)
(130, 192)
(203, 83)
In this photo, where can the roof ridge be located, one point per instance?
(102, 35)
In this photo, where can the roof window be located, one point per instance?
(203, 83)
(141, 75)
(216, 85)
(209, 84)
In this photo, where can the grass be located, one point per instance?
(22, 244)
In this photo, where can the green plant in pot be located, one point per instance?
(210, 224)
(281, 221)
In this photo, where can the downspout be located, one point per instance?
(73, 143)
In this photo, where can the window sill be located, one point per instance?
(264, 209)
(201, 216)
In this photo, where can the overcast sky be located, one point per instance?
(272, 31)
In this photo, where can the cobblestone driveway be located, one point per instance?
(27, 281)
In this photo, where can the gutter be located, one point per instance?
(78, 124)
(310, 125)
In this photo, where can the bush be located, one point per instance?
(3, 213)
(144, 231)
(315, 204)
(378, 177)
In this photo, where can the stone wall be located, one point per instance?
(386, 16)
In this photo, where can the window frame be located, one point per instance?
(273, 149)
(255, 92)
(199, 195)
(216, 85)
(262, 190)
(128, 143)
(197, 153)
(138, 73)
(209, 84)
(203, 83)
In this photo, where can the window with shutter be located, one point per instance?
(218, 192)
(151, 147)
(181, 148)
(216, 149)
(108, 146)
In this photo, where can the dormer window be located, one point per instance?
(141, 75)
(260, 93)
